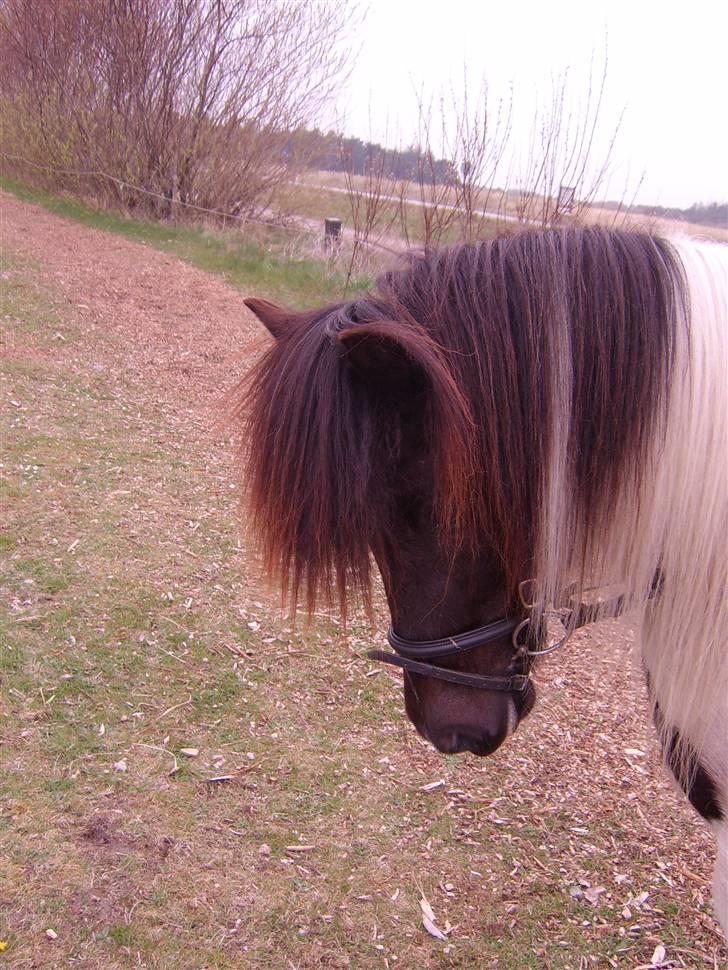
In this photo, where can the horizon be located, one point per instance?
(327, 131)
(664, 79)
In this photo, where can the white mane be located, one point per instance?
(677, 523)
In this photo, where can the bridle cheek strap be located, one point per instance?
(516, 683)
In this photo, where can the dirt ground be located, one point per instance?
(569, 849)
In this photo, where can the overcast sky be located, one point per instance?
(666, 71)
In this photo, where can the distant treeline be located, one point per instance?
(331, 152)
(704, 214)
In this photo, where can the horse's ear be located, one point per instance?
(273, 318)
(375, 354)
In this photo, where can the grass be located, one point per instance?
(314, 202)
(133, 625)
(272, 262)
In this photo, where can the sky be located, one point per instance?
(666, 78)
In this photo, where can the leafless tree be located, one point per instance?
(372, 202)
(458, 149)
(190, 100)
(563, 173)
(428, 221)
(567, 164)
(481, 137)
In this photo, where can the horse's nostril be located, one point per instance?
(481, 746)
(457, 742)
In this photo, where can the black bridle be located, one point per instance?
(416, 656)
(526, 631)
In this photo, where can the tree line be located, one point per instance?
(334, 152)
(699, 213)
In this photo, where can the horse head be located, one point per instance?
(407, 488)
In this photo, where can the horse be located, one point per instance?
(503, 427)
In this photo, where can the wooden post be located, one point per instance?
(332, 234)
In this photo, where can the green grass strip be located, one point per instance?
(260, 261)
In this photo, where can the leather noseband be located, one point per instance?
(417, 656)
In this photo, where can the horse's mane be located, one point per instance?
(547, 358)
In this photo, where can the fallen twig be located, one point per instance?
(173, 708)
(154, 747)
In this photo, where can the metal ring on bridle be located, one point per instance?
(527, 593)
(521, 648)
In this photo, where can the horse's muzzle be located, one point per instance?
(459, 741)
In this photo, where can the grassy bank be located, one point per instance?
(273, 262)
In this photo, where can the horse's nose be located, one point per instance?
(456, 741)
